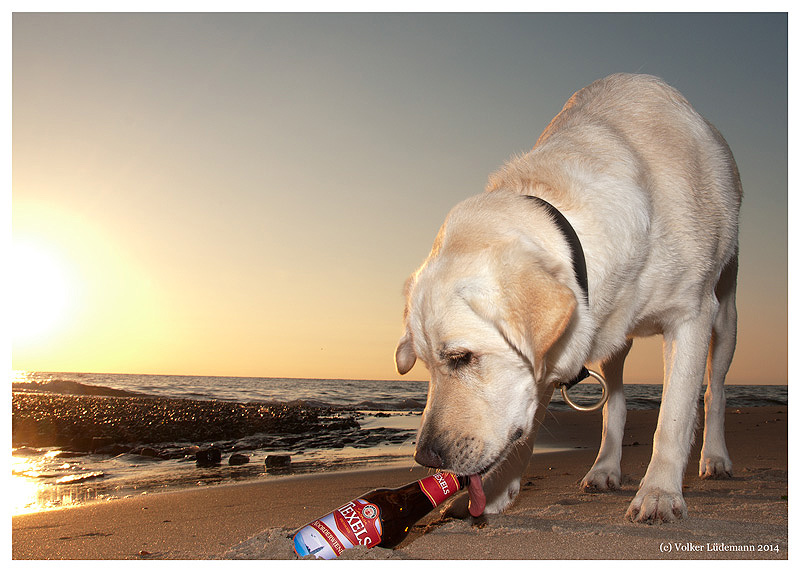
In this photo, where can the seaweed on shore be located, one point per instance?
(81, 422)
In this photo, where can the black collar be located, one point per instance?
(578, 266)
(576, 250)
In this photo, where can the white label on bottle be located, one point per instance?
(356, 523)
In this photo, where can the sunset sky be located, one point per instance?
(245, 194)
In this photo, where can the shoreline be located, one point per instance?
(68, 450)
(551, 519)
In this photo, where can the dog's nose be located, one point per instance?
(428, 457)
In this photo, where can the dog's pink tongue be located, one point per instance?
(477, 498)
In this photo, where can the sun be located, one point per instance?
(40, 290)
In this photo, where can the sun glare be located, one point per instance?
(40, 292)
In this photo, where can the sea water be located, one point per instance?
(359, 394)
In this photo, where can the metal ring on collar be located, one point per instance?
(594, 407)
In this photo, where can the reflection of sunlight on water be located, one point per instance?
(24, 490)
(33, 489)
(31, 496)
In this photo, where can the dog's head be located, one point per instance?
(482, 313)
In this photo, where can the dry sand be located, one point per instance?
(741, 518)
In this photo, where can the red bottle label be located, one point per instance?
(359, 522)
(356, 523)
(439, 487)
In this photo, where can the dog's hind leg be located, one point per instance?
(714, 460)
(605, 474)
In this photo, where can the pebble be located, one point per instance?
(208, 457)
(238, 459)
(278, 461)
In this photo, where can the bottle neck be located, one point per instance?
(441, 486)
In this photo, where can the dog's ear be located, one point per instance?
(405, 357)
(531, 311)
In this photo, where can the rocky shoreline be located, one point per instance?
(82, 447)
(172, 428)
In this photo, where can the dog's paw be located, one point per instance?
(715, 467)
(499, 502)
(597, 480)
(654, 506)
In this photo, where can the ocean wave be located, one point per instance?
(69, 387)
(407, 404)
(80, 477)
(643, 397)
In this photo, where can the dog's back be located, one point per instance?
(635, 166)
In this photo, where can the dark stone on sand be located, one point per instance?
(278, 461)
(113, 450)
(80, 443)
(67, 454)
(100, 442)
(210, 457)
(238, 459)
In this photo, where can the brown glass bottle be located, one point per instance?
(382, 517)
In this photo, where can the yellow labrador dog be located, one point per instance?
(620, 223)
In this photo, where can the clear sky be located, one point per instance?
(245, 194)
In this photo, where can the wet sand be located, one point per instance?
(740, 518)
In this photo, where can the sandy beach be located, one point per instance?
(741, 518)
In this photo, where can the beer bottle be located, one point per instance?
(381, 517)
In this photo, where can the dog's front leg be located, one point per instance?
(660, 498)
(605, 474)
(502, 485)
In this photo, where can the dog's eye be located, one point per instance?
(460, 360)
